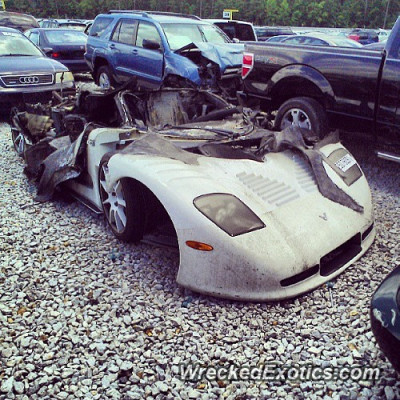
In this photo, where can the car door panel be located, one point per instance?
(130, 58)
(148, 64)
(388, 115)
(120, 48)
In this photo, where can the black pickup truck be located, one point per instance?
(325, 88)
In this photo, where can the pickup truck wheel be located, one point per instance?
(104, 77)
(123, 206)
(303, 112)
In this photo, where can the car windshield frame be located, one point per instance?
(50, 36)
(206, 33)
(9, 45)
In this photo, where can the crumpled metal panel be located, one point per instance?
(60, 166)
(155, 145)
(37, 125)
(226, 55)
(292, 138)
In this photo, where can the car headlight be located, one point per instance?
(228, 213)
(64, 77)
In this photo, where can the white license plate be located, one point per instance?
(345, 163)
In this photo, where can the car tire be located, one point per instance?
(303, 112)
(123, 206)
(104, 78)
(18, 138)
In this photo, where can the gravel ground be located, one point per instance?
(84, 316)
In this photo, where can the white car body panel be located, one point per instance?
(301, 226)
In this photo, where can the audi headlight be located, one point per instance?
(64, 77)
(228, 213)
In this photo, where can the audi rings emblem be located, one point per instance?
(29, 80)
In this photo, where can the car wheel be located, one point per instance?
(123, 206)
(303, 112)
(104, 78)
(18, 138)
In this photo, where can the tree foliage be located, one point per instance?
(322, 13)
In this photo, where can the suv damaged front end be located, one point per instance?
(208, 66)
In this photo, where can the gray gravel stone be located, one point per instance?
(7, 385)
(389, 393)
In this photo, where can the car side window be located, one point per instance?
(125, 32)
(99, 26)
(319, 42)
(147, 31)
(244, 32)
(34, 36)
(228, 29)
(315, 42)
(297, 40)
(115, 35)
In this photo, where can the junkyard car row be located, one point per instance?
(164, 151)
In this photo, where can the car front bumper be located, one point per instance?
(33, 94)
(276, 262)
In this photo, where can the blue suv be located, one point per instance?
(162, 49)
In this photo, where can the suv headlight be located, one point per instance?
(228, 213)
(64, 77)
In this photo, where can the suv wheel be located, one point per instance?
(104, 78)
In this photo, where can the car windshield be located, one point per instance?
(180, 35)
(77, 27)
(65, 37)
(16, 44)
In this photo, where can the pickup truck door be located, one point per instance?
(388, 114)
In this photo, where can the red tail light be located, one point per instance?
(55, 55)
(354, 37)
(248, 63)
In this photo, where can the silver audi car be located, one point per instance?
(26, 74)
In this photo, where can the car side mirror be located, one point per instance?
(48, 51)
(235, 40)
(151, 44)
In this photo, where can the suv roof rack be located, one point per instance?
(148, 13)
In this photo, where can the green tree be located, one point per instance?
(324, 13)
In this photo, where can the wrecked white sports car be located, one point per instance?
(256, 214)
